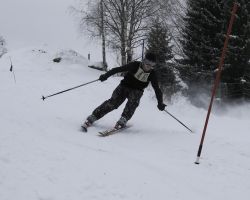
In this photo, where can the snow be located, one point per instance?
(71, 57)
(3, 49)
(45, 156)
(45, 22)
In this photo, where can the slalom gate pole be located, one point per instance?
(43, 97)
(178, 121)
(217, 80)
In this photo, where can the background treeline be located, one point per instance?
(206, 24)
(187, 37)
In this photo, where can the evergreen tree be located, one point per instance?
(201, 44)
(246, 82)
(203, 39)
(202, 32)
(236, 68)
(159, 43)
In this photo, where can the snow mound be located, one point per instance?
(71, 57)
(3, 48)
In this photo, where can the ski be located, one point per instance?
(111, 131)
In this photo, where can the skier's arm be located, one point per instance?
(158, 92)
(116, 70)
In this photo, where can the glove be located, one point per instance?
(161, 106)
(103, 77)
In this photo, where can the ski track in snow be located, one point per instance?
(45, 156)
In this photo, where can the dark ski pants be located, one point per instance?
(120, 94)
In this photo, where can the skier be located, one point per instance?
(137, 78)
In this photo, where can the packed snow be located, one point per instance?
(44, 155)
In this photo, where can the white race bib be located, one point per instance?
(141, 75)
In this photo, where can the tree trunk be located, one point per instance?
(131, 32)
(105, 66)
(123, 52)
(124, 19)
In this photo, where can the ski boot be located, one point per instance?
(121, 123)
(89, 121)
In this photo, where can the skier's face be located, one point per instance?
(148, 65)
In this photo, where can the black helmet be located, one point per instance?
(150, 56)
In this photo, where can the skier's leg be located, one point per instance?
(117, 98)
(134, 97)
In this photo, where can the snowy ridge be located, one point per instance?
(44, 156)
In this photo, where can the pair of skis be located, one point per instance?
(107, 132)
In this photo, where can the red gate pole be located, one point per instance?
(217, 80)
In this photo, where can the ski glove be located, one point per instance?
(103, 77)
(161, 106)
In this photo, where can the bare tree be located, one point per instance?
(124, 22)
(171, 13)
(92, 22)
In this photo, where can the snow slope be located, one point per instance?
(45, 156)
(45, 22)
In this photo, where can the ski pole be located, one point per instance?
(43, 97)
(178, 121)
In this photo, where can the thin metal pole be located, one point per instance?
(178, 121)
(217, 80)
(43, 97)
(143, 48)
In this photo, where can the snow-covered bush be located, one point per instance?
(3, 48)
(71, 56)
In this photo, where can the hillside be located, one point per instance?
(45, 156)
